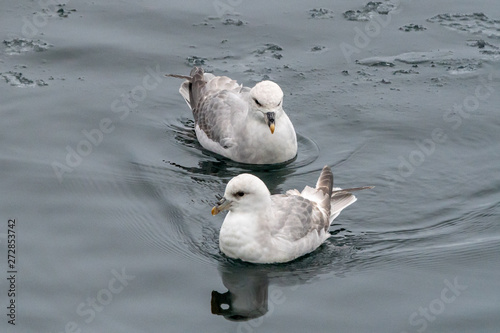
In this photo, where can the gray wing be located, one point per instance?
(215, 104)
(295, 217)
(216, 113)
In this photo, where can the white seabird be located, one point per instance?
(265, 228)
(246, 125)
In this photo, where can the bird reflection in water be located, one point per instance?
(254, 290)
(246, 298)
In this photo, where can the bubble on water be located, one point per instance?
(412, 27)
(195, 61)
(17, 79)
(22, 45)
(230, 21)
(369, 10)
(64, 12)
(475, 23)
(320, 13)
(269, 48)
(318, 48)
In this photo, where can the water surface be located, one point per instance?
(112, 193)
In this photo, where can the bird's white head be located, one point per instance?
(245, 192)
(267, 98)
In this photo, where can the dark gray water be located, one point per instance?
(111, 193)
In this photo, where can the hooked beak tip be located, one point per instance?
(272, 127)
(222, 205)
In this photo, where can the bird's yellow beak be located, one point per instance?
(222, 205)
(271, 127)
(270, 120)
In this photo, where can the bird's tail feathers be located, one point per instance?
(325, 181)
(191, 88)
(321, 194)
(340, 200)
(196, 85)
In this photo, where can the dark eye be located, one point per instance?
(240, 194)
(256, 101)
(279, 103)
